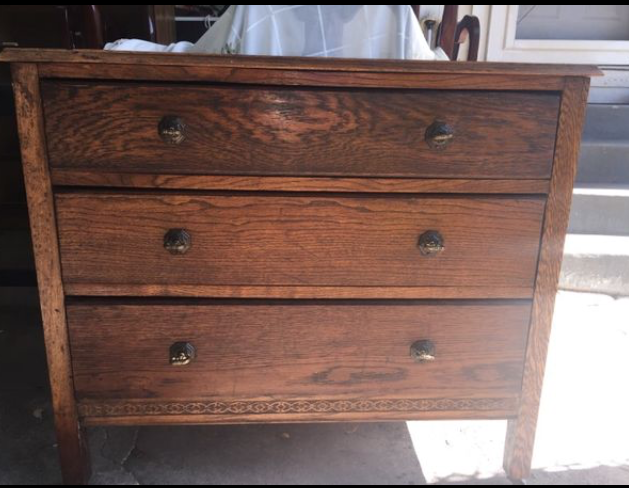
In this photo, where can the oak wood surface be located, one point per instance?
(70, 439)
(290, 131)
(305, 350)
(296, 292)
(296, 241)
(72, 177)
(310, 78)
(521, 431)
(86, 56)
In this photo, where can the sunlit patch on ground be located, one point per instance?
(583, 433)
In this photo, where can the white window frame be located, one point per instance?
(502, 45)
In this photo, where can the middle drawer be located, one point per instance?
(143, 244)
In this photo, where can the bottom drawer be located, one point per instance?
(238, 360)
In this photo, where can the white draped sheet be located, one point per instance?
(345, 31)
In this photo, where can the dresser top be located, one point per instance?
(98, 57)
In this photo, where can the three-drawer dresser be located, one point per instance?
(225, 239)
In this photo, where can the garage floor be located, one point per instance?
(583, 435)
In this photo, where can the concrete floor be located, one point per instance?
(582, 437)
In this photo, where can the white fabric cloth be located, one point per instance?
(146, 46)
(347, 31)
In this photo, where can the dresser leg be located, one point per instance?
(74, 455)
(518, 455)
(518, 482)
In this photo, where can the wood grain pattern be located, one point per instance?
(289, 131)
(296, 241)
(287, 350)
(521, 431)
(70, 439)
(310, 78)
(297, 292)
(72, 177)
(111, 58)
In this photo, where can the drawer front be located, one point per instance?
(472, 244)
(240, 350)
(295, 131)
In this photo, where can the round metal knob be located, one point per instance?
(431, 243)
(423, 351)
(177, 241)
(182, 353)
(439, 135)
(172, 130)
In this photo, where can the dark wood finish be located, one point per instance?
(241, 130)
(312, 78)
(452, 32)
(301, 292)
(90, 26)
(467, 29)
(296, 241)
(71, 177)
(264, 63)
(327, 197)
(521, 431)
(297, 292)
(302, 350)
(447, 30)
(70, 440)
(164, 17)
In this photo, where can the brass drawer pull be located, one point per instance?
(431, 242)
(423, 351)
(172, 130)
(182, 353)
(439, 135)
(177, 241)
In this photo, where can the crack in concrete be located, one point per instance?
(134, 445)
(122, 464)
(125, 459)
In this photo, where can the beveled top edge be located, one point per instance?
(88, 56)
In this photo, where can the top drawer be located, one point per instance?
(226, 129)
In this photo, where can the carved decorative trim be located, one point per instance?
(286, 407)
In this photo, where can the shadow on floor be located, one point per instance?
(378, 453)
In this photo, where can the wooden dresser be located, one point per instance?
(239, 239)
